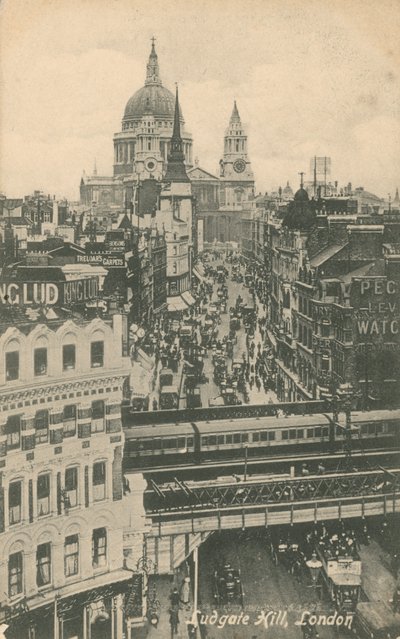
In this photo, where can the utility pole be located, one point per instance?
(315, 176)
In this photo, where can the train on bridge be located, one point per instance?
(158, 445)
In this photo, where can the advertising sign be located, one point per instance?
(108, 260)
(49, 293)
(376, 299)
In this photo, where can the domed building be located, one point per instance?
(287, 192)
(143, 145)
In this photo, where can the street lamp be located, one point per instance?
(314, 565)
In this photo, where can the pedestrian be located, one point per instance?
(258, 384)
(174, 620)
(396, 600)
(251, 382)
(155, 404)
(174, 598)
(185, 592)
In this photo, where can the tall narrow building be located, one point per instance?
(237, 179)
(178, 219)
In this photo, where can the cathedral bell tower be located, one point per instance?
(237, 179)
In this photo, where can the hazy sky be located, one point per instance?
(309, 76)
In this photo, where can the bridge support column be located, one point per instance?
(316, 513)
(340, 511)
(266, 517)
(384, 506)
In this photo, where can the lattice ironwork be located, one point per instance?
(336, 486)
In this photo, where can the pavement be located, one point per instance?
(164, 585)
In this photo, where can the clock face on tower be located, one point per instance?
(239, 166)
(150, 164)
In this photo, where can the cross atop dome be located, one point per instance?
(153, 70)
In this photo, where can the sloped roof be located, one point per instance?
(197, 173)
(326, 253)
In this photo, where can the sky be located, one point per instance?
(309, 76)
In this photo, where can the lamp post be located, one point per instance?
(314, 565)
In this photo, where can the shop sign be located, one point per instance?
(49, 293)
(377, 307)
(107, 260)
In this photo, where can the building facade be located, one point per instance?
(222, 201)
(61, 443)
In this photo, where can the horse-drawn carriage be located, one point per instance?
(227, 585)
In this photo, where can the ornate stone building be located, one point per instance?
(142, 147)
(222, 200)
(61, 489)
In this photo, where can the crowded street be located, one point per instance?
(215, 352)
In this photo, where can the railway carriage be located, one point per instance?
(230, 439)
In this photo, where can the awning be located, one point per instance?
(188, 298)
(271, 338)
(197, 274)
(176, 303)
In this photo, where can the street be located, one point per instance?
(266, 588)
(211, 389)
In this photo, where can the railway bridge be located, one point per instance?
(180, 515)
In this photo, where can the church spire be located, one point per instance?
(176, 171)
(153, 70)
(235, 117)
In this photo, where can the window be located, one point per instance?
(12, 366)
(236, 438)
(97, 354)
(71, 487)
(43, 564)
(69, 421)
(285, 434)
(99, 547)
(98, 412)
(292, 433)
(69, 357)
(99, 481)
(41, 426)
(256, 437)
(43, 495)
(15, 574)
(71, 555)
(271, 435)
(14, 502)
(13, 431)
(220, 439)
(229, 439)
(40, 361)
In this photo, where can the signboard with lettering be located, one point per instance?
(343, 566)
(377, 307)
(116, 246)
(49, 293)
(107, 260)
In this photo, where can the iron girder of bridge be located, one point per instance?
(271, 491)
